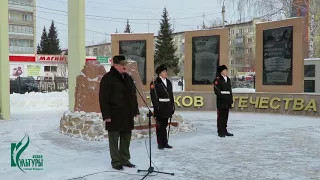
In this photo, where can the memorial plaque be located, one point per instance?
(310, 70)
(205, 58)
(309, 86)
(277, 56)
(136, 51)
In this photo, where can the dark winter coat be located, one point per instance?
(118, 100)
(158, 90)
(223, 91)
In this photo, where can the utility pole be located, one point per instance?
(203, 25)
(223, 13)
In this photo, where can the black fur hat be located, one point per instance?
(120, 59)
(221, 68)
(161, 68)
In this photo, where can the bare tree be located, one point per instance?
(215, 23)
(280, 9)
(314, 24)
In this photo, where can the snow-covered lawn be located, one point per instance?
(264, 147)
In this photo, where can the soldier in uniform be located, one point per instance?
(119, 106)
(163, 103)
(223, 91)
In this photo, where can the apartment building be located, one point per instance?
(22, 26)
(242, 39)
(103, 50)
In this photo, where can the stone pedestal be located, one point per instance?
(90, 127)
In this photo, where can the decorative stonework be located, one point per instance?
(87, 87)
(89, 126)
(132, 69)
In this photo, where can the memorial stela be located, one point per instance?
(277, 56)
(136, 50)
(205, 58)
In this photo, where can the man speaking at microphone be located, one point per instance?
(222, 89)
(119, 106)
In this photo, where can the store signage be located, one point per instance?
(103, 59)
(48, 58)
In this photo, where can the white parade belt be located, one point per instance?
(225, 92)
(164, 100)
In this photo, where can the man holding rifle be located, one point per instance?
(163, 104)
(223, 91)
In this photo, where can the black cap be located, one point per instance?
(120, 59)
(161, 68)
(221, 68)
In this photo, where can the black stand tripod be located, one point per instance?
(150, 169)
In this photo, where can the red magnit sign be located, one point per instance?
(48, 58)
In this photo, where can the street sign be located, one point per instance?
(103, 59)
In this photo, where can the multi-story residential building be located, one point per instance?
(103, 49)
(22, 26)
(242, 39)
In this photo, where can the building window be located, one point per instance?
(309, 86)
(14, 17)
(95, 51)
(249, 40)
(249, 50)
(21, 42)
(27, 17)
(250, 29)
(50, 68)
(310, 70)
(21, 2)
(20, 29)
(241, 30)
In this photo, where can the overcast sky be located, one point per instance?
(187, 14)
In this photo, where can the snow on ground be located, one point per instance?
(264, 147)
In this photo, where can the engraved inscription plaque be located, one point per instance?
(205, 59)
(136, 51)
(277, 56)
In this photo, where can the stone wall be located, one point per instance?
(280, 103)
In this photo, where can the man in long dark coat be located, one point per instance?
(223, 91)
(119, 106)
(163, 104)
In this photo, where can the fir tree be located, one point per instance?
(38, 49)
(128, 27)
(43, 47)
(165, 48)
(54, 42)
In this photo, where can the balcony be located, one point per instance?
(21, 5)
(17, 49)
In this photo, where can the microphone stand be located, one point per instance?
(149, 115)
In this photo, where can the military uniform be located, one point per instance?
(118, 102)
(163, 103)
(223, 91)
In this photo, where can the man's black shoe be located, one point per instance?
(228, 134)
(167, 146)
(160, 147)
(221, 135)
(130, 165)
(119, 167)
